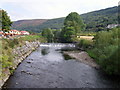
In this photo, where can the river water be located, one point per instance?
(47, 68)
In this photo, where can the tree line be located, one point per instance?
(73, 25)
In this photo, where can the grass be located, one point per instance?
(85, 43)
(7, 45)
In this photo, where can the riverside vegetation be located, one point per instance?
(105, 49)
(7, 46)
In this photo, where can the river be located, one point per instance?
(47, 68)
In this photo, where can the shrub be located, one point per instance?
(106, 50)
(112, 64)
(85, 44)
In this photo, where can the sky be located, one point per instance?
(49, 9)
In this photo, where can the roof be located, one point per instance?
(113, 25)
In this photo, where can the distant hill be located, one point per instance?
(98, 20)
(95, 21)
(28, 24)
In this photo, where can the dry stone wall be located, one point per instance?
(20, 53)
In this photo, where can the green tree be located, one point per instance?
(74, 20)
(67, 34)
(5, 20)
(73, 24)
(48, 34)
(57, 34)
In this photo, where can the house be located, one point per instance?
(112, 25)
(14, 32)
(25, 33)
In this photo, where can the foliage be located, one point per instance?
(57, 34)
(10, 43)
(72, 26)
(5, 19)
(106, 50)
(66, 34)
(32, 38)
(85, 44)
(48, 34)
(5, 56)
(74, 20)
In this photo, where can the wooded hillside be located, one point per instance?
(95, 21)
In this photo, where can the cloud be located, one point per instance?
(31, 9)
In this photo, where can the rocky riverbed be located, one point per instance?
(83, 57)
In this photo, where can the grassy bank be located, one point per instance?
(105, 49)
(7, 45)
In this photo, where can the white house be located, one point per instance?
(25, 33)
(14, 32)
(112, 25)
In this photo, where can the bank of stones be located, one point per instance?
(20, 53)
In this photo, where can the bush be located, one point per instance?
(112, 64)
(106, 51)
(85, 44)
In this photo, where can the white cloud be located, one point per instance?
(26, 9)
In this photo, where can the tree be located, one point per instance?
(5, 20)
(74, 20)
(48, 34)
(57, 34)
(67, 34)
(73, 24)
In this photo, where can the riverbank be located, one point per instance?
(83, 57)
(19, 53)
(52, 70)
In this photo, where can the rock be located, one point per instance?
(87, 82)
(23, 71)
(28, 62)
(29, 73)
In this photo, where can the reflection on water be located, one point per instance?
(44, 51)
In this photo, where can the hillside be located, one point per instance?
(27, 24)
(95, 21)
(98, 20)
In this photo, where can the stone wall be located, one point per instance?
(20, 53)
